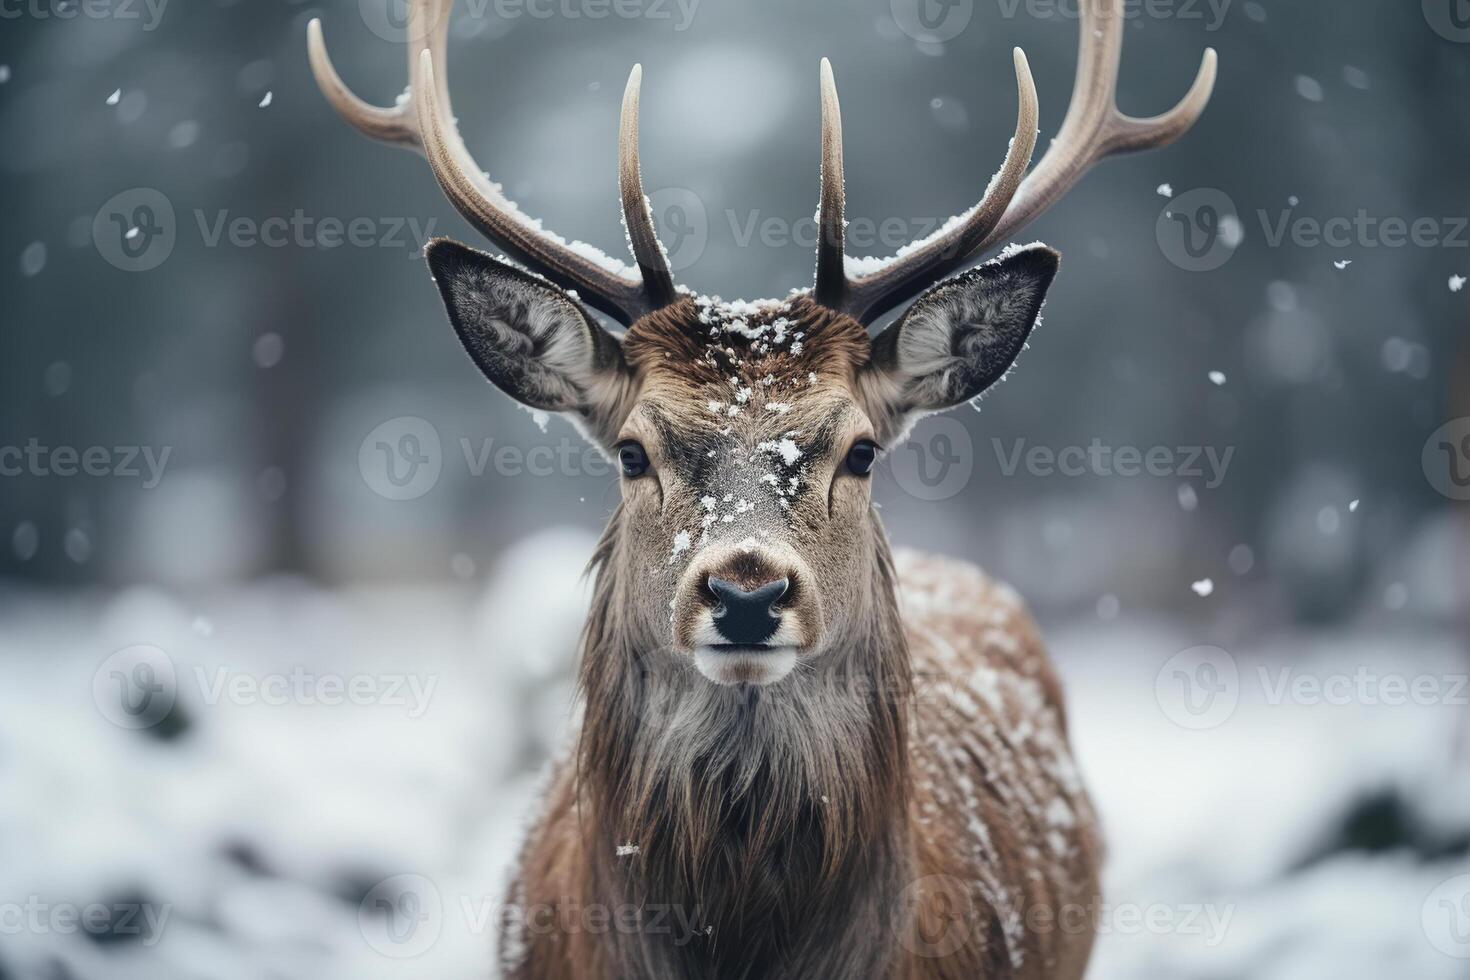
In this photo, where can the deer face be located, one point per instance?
(746, 432)
(746, 435)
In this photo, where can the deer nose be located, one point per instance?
(747, 618)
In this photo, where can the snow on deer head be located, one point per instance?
(746, 431)
(746, 434)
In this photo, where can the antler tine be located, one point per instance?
(637, 218)
(1093, 130)
(374, 122)
(920, 263)
(498, 219)
(423, 120)
(428, 27)
(831, 282)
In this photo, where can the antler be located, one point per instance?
(1093, 130)
(423, 120)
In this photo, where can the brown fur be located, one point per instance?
(901, 805)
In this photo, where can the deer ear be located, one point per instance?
(530, 338)
(960, 337)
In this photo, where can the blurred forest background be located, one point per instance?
(262, 367)
(173, 306)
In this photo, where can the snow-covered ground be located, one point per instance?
(338, 780)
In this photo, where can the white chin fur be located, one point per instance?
(765, 665)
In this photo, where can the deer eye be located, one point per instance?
(633, 459)
(861, 456)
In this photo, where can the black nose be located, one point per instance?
(746, 618)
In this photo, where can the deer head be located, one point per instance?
(747, 432)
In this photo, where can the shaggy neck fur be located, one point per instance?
(773, 819)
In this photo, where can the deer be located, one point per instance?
(797, 752)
